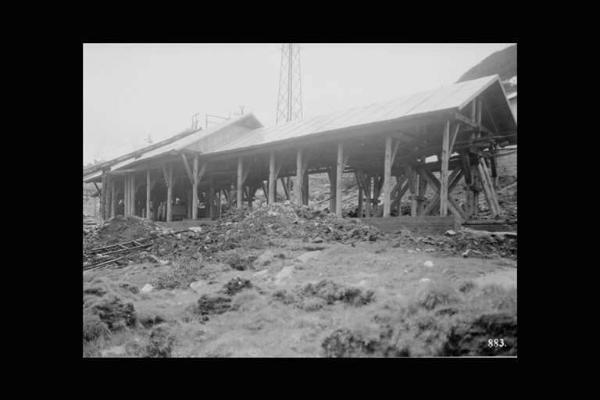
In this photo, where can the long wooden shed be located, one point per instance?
(385, 145)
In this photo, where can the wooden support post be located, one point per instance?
(103, 197)
(421, 196)
(299, 178)
(188, 203)
(109, 195)
(251, 193)
(332, 184)
(211, 198)
(272, 178)
(488, 188)
(367, 186)
(387, 178)
(413, 181)
(126, 196)
(170, 194)
(195, 190)
(148, 187)
(113, 199)
(360, 195)
(125, 183)
(240, 181)
(444, 170)
(305, 188)
(338, 180)
(133, 195)
(286, 187)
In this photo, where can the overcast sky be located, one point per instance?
(135, 90)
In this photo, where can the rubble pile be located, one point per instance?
(122, 229)
(465, 242)
(248, 229)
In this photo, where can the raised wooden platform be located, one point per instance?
(422, 224)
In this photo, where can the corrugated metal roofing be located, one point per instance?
(453, 96)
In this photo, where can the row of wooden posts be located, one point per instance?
(415, 179)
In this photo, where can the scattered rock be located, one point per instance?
(428, 264)
(147, 288)
(236, 285)
(450, 232)
(317, 240)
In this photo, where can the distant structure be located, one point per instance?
(512, 100)
(289, 99)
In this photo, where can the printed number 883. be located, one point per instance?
(496, 343)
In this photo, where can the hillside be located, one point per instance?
(503, 63)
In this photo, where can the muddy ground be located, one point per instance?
(317, 292)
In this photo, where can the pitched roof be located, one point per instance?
(454, 96)
(185, 140)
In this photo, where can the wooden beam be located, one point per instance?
(299, 178)
(132, 194)
(453, 137)
(472, 123)
(338, 179)
(170, 194)
(240, 183)
(360, 195)
(412, 186)
(387, 178)
(272, 178)
(103, 197)
(488, 188)
(421, 195)
(305, 192)
(148, 187)
(165, 175)
(113, 199)
(444, 170)
(430, 178)
(211, 198)
(332, 185)
(195, 188)
(188, 171)
(286, 188)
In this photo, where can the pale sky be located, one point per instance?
(135, 90)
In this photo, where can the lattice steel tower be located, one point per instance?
(289, 100)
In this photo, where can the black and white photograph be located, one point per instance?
(299, 200)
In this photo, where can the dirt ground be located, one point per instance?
(299, 298)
